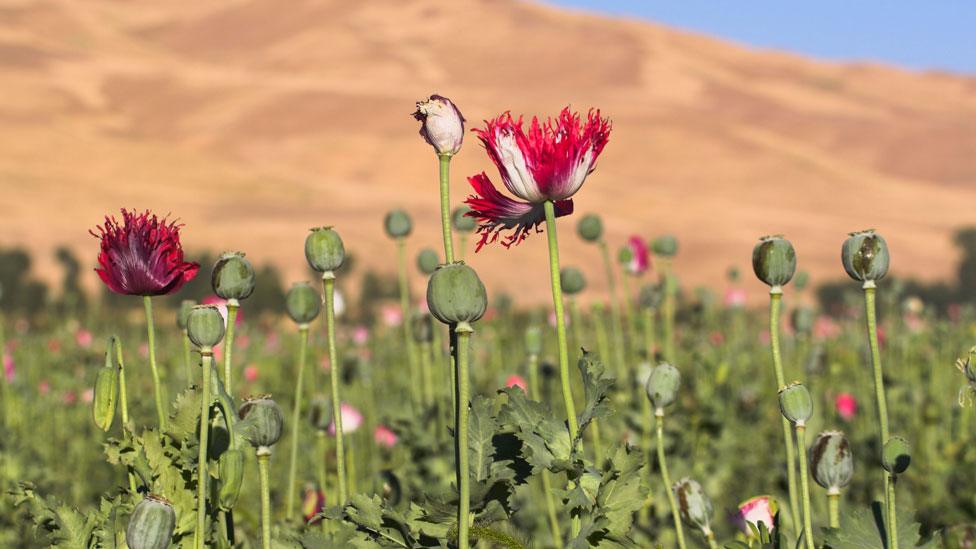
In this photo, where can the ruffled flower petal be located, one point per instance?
(497, 213)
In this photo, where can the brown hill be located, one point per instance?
(252, 121)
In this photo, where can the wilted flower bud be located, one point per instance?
(320, 413)
(427, 261)
(397, 224)
(151, 524)
(590, 227)
(461, 221)
(324, 250)
(865, 256)
(205, 326)
(896, 455)
(184, 312)
(233, 276)
(303, 303)
(533, 340)
(694, 505)
(665, 246)
(649, 296)
(572, 280)
(423, 328)
(662, 386)
(774, 261)
(261, 421)
(230, 469)
(831, 461)
(106, 393)
(442, 125)
(455, 294)
(795, 403)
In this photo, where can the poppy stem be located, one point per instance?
(445, 179)
(232, 307)
(463, 332)
(322, 443)
(328, 280)
(295, 424)
(264, 456)
(667, 309)
(775, 303)
(203, 480)
(879, 390)
(833, 509)
(615, 321)
(123, 401)
(666, 477)
(536, 393)
(186, 357)
(157, 390)
(408, 343)
(804, 485)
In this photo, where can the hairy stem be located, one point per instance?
(328, 280)
(775, 303)
(264, 455)
(445, 188)
(203, 478)
(616, 321)
(157, 389)
(666, 477)
(295, 424)
(461, 428)
(232, 307)
(804, 486)
(557, 301)
(833, 510)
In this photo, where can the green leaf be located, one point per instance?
(481, 429)
(596, 390)
(866, 528)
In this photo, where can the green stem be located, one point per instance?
(536, 394)
(628, 318)
(462, 245)
(892, 514)
(804, 485)
(647, 417)
(328, 280)
(203, 478)
(557, 301)
(648, 322)
(445, 180)
(321, 443)
(404, 287)
(351, 477)
(879, 390)
(463, 331)
(710, 538)
(264, 455)
(775, 303)
(123, 402)
(666, 477)
(232, 306)
(295, 424)
(616, 323)
(157, 390)
(426, 375)
(577, 323)
(833, 509)
(668, 310)
(187, 358)
(600, 326)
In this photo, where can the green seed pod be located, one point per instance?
(261, 421)
(455, 294)
(662, 386)
(320, 413)
(397, 224)
(625, 255)
(324, 250)
(231, 471)
(831, 461)
(694, 504)
(590, 228)
(649, 296)
(427, 261)
(665, 246)
(151, 524)
(106, 391)
(205, 326)
(865, 256)
(801, 280)
(303, 303)
(461, 221)
(533, 340)
(896, 455)
(572, 280)
(795, 403)
(233, 276)
(774, 261)
(423, 328)
(802, 320)
(184, 312)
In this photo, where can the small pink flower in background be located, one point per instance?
(516, 380)
(144, 350)
(391, 315)
(43, 387)
(218, 354)
(242, 341)
(221, 305)
(251, 373)
(825, 328)
(422, 307)
(312, 503)
(272, 342)
(83, 338)
(383, 436)
(8, 367)
(882, 336)
(490, 314)
(734, 298)
(325, 364)
(764, 337)
(846, 406)
(360, 335)
(88, 396)
(716, 338)
(552, 318)
(756, 510)
(53, 345)
(914, 323)
(640, 259)
(69, 397)
(352, 419)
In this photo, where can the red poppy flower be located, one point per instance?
(142, 255)
(549, 162)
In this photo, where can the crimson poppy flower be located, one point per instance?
(640, 260)
(549, 162)
(142, 255)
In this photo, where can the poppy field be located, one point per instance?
(645, 416)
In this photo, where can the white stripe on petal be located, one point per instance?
(518, 179)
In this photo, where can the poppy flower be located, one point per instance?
(142, 255)
(548, 162)
(640, 260)
(351, 419)
(846, 406)
(442, 125)
(753, 511)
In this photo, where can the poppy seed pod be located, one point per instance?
(649, 296)
(455, 294)
(572, 280)
(397, 224)
(896, 455)
(423, 328)
(442, 125)
(774, 261)
(184, 312)
(427, 261)
(151, 524)
(324, 250)
(320, 413)
(795, 403)
(831, 461)
(230, 468)
(303, 303)
(694, 504)
(261, 421)
(461, 221)
(205, 326)
(865, 256)
(662, 386)
(233, 276)
(590, 228)
(533, 340)
(665, 246)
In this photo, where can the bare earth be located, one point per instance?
(252, 123)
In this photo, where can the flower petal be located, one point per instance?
(496, 212)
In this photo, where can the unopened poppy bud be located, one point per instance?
(205, 326)
(324, 250)
(303, 303)
(261, 421)
(625, 255)
(662, 386)
(455, 294)
(151, 524)
(533, 340)
(184, 312)
(397, 224)
(423, 328)
(865, 256)
(230, 469)
(649, 296)
(665, 246)
(590, 228)
(572, 280)
(896, 455)
(427, 261)
(831, 461)
(105, 397)
(795, 403)
(774, 261)
(320, 413)
(693, 504)
(233, 276)
(442, 125)
(461, 221)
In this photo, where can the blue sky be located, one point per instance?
(921, 34)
